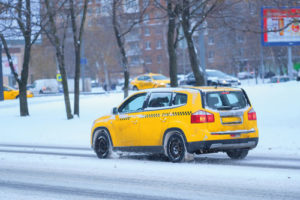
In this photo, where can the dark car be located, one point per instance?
(279, 79)
(214, 77)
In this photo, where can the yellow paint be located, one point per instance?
(147, 127)
(141, 84)
(10, 93)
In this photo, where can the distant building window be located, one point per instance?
(241, 52)
(158, 44)
(148, 45)
(98, 10)
(240, 38)
(105, 7)
(211, 41)
(90, 11)
(131, 6)
(211, 56)
(146, 31)
(134, 60)
(148, 60)
(146, 18)
(159, 59)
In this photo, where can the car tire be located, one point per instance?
(17, 96)
(102, 144)
(135, 88)
(237, 154)
(175, 148)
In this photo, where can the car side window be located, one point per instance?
(5, 89)
(147, 78)
(179, 99)
(133, 104)
(160, 100)
(141, 78)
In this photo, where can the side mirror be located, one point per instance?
(115, 111)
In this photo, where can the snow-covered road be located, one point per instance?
(75, 173)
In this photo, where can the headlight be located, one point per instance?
(224, 81)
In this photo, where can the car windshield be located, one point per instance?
(226, 100)
(216, 73)
(159, 77)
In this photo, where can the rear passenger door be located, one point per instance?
(155, 118)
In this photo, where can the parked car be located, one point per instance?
(298, 76)
(11, 93)
(150, 80)
(245, 75)
(214, 77)
(177, 121)
(279, 79)
(42, 86)
(269, 74)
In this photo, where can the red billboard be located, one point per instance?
(281, 26)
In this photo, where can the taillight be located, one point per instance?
(202, 117)
(252, 114)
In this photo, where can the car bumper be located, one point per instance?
(221, 145)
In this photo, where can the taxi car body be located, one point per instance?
(11, 93)
(150, 80)
(178, 121)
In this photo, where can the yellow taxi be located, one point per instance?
(150, 80)
(178, 121)
(11, 93)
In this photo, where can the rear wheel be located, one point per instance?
(102, 144)
(237, 154)
(175, 149)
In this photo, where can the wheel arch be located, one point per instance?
(166, 136)
(97, 129)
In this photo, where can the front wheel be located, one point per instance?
(102, 144)
(175, 148)
(135, 88)
(237, 154)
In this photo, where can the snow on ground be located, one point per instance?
(277, 107)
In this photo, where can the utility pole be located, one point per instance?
(1, 75)
(202, 53)
(290, 63)
(82, 62)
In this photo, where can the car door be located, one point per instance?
(148, 82)
(155, 118)
(126, 124)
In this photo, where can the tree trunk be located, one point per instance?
(171, 47)
(77, 81)
(24, 76)
(199, 76)
(121, 48)
(65, 88)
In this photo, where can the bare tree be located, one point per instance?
(193, 15)
(20, 18)
(123, 23)
(77, 42)
(57, 39)
(171, 7)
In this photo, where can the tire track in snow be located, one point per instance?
(251, 161)
(75, 191)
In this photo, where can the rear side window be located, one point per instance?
(179, 99)
(141, 78)
(226, 100)
(160, 100)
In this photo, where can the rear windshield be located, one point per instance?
(226, 100)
